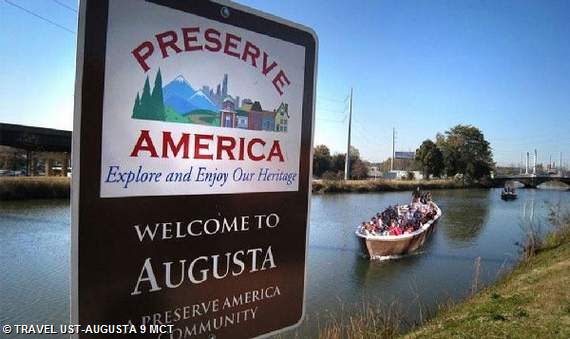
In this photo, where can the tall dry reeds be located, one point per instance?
(372, 321)
(536, 239)
(381, 185)
(12, 188)
(476, 276)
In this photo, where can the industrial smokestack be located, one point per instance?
(535, 161)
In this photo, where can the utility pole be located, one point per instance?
(347, 160)
(393, 149)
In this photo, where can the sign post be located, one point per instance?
(191, 169)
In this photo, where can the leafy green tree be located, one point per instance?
(337, 163)
(157, 101)
(322, 160)
(465, 151)
(430, 159)
(338, 160)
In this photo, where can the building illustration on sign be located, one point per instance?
(179, 102)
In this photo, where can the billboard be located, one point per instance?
(405, 155)
(191, 177)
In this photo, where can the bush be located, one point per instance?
(330, 175)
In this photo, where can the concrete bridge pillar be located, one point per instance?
(34, 165)
(65, 164)
(49, 166)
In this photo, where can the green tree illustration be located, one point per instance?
(146, 102)
(157, 101)
(137, 107)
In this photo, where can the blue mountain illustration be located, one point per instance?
(180, 96)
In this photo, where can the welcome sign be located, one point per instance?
(191, 177)
(196, 106)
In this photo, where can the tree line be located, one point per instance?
(461, 150)
(150, 105)
(331, 166)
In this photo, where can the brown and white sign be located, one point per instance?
(191, 176)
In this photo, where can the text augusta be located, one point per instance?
(200, 269)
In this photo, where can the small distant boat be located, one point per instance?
(508, 193)
(394, 246)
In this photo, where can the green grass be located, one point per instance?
(173, 116)
(531, 302)
(202, 117)
(12, 188)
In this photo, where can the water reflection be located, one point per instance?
(465, 215)
(528, 210)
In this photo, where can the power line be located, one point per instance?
(332, 120)
(333, 99)
(40, 17)
(363, 135)
(334, 107)
(64, 5)
(335, 112)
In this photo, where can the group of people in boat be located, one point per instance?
(509, 190)
(401, 219)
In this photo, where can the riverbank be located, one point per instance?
(383, 185)
(531, 302)
(17, 188)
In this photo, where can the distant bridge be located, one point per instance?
(35, 139)
(530, 181)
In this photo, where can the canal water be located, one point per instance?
(35, 236)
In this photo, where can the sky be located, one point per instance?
(420, 67)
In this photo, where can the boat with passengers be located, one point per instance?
(508, 193)
(399, 229)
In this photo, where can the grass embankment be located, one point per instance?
(382, 185)
(532, 301)
(12, 188)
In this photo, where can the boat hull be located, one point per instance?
(382, 248)
(386, 247)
